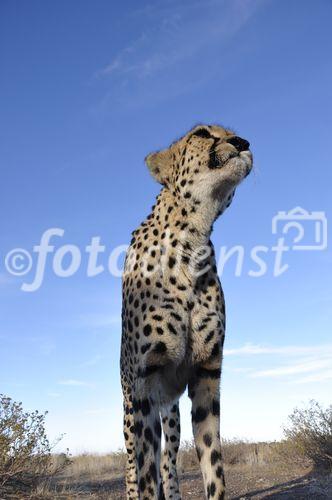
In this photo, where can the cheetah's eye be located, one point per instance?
(214, 161)
(202, 132)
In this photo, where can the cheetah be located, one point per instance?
(173, 315)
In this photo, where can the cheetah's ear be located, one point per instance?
(160, 165)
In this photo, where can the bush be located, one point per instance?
(310, 430)
(25, 451)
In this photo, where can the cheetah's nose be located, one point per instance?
(239, 143)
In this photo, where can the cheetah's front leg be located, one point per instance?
(204, 393)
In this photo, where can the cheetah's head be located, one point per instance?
(204, 166)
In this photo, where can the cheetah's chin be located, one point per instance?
(240, 163)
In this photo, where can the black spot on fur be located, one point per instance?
(148, 435)
(157, 428)
(138, 428)
(145, 407)
(160, 347)
(207, 440)
(209, 337)
(219, 472)
(216, 349)
(205, 373)
(215, 456)
(140, 460)
(199, 415)
(147, 330)
(145, 348)
(215, 408)
(171, 328)
(171, 262)
(153, 472)
(142, 484)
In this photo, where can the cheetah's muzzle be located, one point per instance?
(218, 158)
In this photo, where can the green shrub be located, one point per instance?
(25, 451)
(310, 430)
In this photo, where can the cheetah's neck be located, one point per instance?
(176, 216)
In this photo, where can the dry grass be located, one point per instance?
(91, 477)
(33, 472)
(87, 465)
(236, 452)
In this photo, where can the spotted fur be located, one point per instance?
(174, 314)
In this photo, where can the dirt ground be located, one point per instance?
(242, 483)
(273, 480)
(263, 482)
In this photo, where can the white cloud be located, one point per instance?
(291, 369)
(285, 361)
(316, 377)
(291, 350)
(172, 41)
(171, 36)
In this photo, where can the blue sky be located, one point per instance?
(87, 90)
